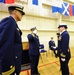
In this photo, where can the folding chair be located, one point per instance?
(54, 51)
(42, 50)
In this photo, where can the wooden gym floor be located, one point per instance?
(49, 65)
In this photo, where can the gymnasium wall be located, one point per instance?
(45, 21)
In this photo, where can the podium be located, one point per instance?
(25, 55)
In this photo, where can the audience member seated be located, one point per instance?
(52, 46)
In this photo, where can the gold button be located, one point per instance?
(16, 57)
(68, 50)
(11, 66)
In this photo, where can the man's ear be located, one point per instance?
(14, 12)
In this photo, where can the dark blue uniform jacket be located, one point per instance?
(51, 44)
(10, 46)
(63, 45)
(34, 44)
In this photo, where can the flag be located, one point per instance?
(7, 1)
(56, 9)
(35, 2)
(62, 10)
(71, 9)
(56, 5)
(2, 1)
(65, 9)
(35, 7)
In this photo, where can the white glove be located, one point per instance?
(63, 59)
(54, 47)
(15, 74)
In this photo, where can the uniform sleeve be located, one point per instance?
(49, 44)
(54, 43)
(7, 30)
(65, 45)
(30, 37)
(39, 42)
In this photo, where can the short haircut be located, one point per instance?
(51, 37)
(10, 11)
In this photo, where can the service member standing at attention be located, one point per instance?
(10, 41)
(34, 51)
(64, 50)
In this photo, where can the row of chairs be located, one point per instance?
(42, 50)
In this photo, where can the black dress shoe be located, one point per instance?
(56, 55)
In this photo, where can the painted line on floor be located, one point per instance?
(45, 65)
(42, 65)
(28, 72)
